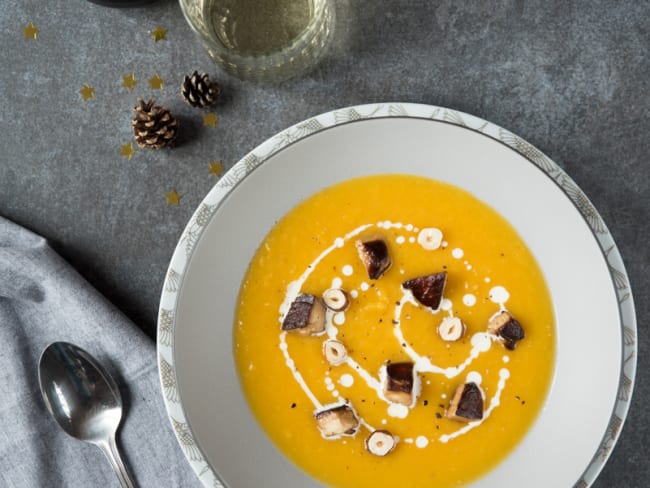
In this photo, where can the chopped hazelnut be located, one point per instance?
(335, 352)
(451, 329)
(336, 300)
(380, 442)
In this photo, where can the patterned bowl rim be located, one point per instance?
(199, 220)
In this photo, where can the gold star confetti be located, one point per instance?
(156, 82)
(127, 150)
(31, 31)
(173, 198)
(87, 92)
(159, 34)
(210, 120)
(129, 81)
(216, 168)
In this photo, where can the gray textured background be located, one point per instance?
(569, 77)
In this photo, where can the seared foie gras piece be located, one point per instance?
(334, 421)
(507, 328)
(306, 316)
(428, 289)
(451, 329)
(380, 442)
(374, 256)
(466, 404)
(336, 300)
(335, 352)
(399, 383)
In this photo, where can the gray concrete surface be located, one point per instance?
(570, 77)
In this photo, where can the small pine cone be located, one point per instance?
(199, 91)
(154, 126)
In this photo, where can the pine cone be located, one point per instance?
(153, 126)
(199, 91)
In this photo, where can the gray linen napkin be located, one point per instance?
(42, 300)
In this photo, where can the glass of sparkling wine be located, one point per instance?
(262, 40)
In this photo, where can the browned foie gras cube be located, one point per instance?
(335, 421)
(374, 256)
(466, 404)
(507, 328)
(399, 383)
(306, 316)
(428, 289)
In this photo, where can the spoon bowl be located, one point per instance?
(83, 398)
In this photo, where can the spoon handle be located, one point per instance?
(110, 450)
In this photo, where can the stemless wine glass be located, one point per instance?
(262, 40)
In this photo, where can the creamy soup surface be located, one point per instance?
(428, 227)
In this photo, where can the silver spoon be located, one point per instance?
(84, 399)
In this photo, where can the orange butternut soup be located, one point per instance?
(290, 376)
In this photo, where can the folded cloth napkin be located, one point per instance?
(42, 300)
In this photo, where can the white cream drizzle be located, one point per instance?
(474, 377)
(469, 299)
(480, 341)
(421, 441)
(338, 318)
(500, 295)
(296, 374)
(398, 411)
(346, 380)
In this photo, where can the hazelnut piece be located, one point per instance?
(380, 442)
(336, 300)
(451, 329)
(335, 352)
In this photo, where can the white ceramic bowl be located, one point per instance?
(596, 328)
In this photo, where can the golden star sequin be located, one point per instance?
(31, 31)
(156, 82)
(173, 198)
(159, 34)
(210, 120)
(87, 92)
(216, 168)
(127, 150)
(129, 81)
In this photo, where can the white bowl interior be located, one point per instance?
(563, 440)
